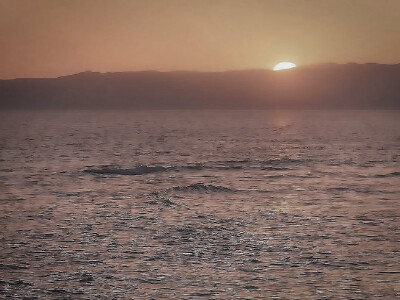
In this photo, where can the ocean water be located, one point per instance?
(200, 204)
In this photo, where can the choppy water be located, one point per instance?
(200, 204)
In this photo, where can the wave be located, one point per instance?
(393, 174)
(272, 165)
(112, 170)
(200, 187)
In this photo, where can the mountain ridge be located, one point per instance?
(356, 86)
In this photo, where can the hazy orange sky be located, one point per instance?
(47, 38)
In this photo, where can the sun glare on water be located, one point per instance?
(284, 65)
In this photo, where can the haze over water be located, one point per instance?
(200, 204)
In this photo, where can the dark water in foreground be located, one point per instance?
(200, 205)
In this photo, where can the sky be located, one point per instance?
(49, 38)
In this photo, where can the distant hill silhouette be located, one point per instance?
(364, 86)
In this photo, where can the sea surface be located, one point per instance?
(200, 204)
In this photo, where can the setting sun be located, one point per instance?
(284, 65)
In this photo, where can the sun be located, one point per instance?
(284, 65)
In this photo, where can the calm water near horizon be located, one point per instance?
(200, 204)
